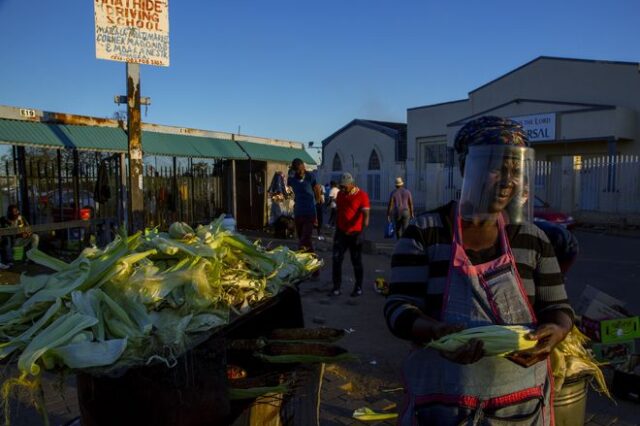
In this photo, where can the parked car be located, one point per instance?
(543, 211)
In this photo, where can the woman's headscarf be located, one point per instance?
(489, 130)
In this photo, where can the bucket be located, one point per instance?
(570, 404)
(18, 253)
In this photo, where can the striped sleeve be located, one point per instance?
(549, 282)
(408, 284)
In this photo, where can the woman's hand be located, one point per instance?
(548, 336)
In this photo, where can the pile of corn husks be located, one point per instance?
(142, 299)
(571, 359)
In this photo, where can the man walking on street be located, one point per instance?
(352, 220)
(401, 206)
(306, 191)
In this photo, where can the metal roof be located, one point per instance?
(189, 146)
(114, 139)
(94, 138)
(29, 133)
(58, 136)
(264, 152)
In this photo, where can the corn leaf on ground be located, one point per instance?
(366, 414)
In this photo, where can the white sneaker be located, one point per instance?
(320, 238)
(3, 266)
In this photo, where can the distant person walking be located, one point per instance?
(400, 209)
(320, 212)
(352, 219)
(333, 207)
(306, 192)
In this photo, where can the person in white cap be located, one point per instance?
(400, 209)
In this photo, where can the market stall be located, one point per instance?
(155, 324)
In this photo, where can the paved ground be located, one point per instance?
(609, 262)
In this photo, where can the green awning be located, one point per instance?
(16, 132)
(93, 138)
(282, 154)
(57, 136)
(114, 139)
(189, 146)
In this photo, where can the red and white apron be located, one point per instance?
(494, 390)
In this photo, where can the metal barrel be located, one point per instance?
(570, 404)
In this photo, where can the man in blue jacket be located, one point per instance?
(307, 193)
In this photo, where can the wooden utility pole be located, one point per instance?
(134, 136)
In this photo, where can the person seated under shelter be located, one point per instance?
(22, 239)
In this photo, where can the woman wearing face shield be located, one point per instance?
(477, 262)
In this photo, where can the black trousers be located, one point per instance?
(341, 243)
(332, 216)
(319, 216)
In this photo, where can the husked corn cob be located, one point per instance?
(499, 340)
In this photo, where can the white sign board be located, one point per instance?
(539, 127)
(133, 31)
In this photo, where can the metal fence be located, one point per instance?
(59, 185)
(44, 184)
(606, 184)
(192, 191)
(609, 184)
(548, 175)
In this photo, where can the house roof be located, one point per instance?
(554, 58)
(539, 58)
(394, 130)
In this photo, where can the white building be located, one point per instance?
(374, 152)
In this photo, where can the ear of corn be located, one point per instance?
(499, 340)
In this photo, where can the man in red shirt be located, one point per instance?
(352, 220)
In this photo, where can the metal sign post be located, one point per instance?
(137, 33)
(134, 137)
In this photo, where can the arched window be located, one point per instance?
(337, 163)
(374, 161)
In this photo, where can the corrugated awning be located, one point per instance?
(114, 139)
(93, 138)
(56, 136)
(189, 146)
(29, 133)
(283, 154)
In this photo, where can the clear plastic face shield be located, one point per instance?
(497, 178)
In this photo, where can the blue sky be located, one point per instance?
(300, 70)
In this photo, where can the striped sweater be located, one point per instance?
(420, 264)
